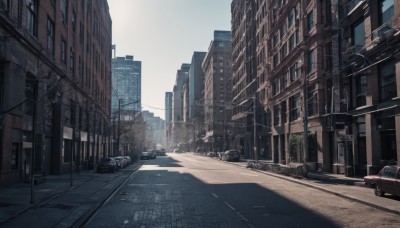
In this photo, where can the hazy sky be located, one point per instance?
(163, 34)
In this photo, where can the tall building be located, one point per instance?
(217, 68)
(196, 99)
(168, 119)
(126, 84)
(177, 104)
(196, 85)
(370, 74)
(55, 77)
(326, 78)
(244, 73)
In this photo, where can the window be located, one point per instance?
(31, 17)
(387, 79)
(64, 10)
(389, 172)
(72, 62)
(283, 112)
(311, 60)
(276, 59)
(294, 108)
(359, 34)
(276, 39)
(293, 73)
(310, 21)
(312, 104)
(291, 17)
(74, 21)
(50, 35)
(277, 115)
(275, 86)
(291, 43)
(63, 52)
(328, 56)
(386, 11)
(361, 90)
(283, 29)
(283, 51)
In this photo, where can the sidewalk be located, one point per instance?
(57, 203)
(346, 187)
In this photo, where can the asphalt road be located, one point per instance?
(186, 190)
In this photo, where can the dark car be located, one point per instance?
(387, 181)
(145, 155)
(231, 155)
(107, 165)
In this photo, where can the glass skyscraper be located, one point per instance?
(126, 84)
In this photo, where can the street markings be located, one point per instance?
(242, 217)
(215, 195)
(230, 206)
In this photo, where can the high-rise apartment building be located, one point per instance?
(217, 68)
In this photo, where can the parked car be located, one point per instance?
(160, 152)
(386, 181)
(120, 162)
(128, 160)
(145, 155)
(153, 154)
(107, 165)
(231, 155)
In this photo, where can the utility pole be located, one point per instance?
(255, 129)
(305, 118)
(119, 123)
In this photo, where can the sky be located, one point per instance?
(163, 34)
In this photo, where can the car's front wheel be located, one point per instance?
(378, 191)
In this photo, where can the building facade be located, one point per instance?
(326, 76)
(196, 100)
(168, 119)
(177, 105)
(55, 78)
(217, 68)
(126, 84)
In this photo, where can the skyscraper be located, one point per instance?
(126, 84)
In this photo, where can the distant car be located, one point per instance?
(386, 181)
(121, 162)
(231, 155)
(107, 165)
(128, 160)
(153, 154)
(145, 155)
(160, 152)
(177, 150)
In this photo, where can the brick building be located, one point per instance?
(326, 75)
(55, 72)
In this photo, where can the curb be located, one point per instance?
(324, 190)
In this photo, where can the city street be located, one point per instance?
(187, 190)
